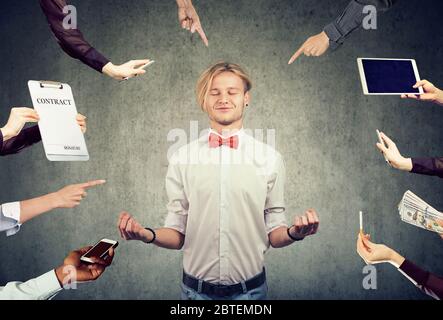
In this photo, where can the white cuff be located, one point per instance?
(13, 230)
(275, 218)
(11, 210)
(176, 221)
(48, 284)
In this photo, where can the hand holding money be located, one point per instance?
(415, 211)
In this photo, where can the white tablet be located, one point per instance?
(383, 76)
(62, 137)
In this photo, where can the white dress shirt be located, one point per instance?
(10, 217)
(225, 201)
(42, 288)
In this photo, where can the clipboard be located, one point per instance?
(62, 137)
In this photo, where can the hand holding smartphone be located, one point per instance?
(99, 250)
(383, 143)
(142, 67)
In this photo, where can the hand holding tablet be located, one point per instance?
(431, 93)
(382, 76)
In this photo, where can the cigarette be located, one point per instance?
(361, 221)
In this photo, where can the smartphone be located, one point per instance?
(383, 143)
(142, 67)
(99, 250)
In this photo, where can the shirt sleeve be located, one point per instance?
(275, 202)
(428, 166)
(71, 40)
(350, 19)
(42, 288)
(26, 138)
(9, 218)
(178, 204)
(424, 280)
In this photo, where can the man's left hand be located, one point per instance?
(305, 225)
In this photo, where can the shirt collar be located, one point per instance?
(239, 132)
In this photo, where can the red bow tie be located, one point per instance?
(216, 141)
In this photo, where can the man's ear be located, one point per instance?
(247, 98)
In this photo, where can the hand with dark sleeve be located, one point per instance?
(71, 40)
(424, 280)
(75, 45)
(427, 166)
(352, 18)
(26, 138)
(373, 253)
(13, 138)
(334, 34)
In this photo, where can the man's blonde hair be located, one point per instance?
(205, 81)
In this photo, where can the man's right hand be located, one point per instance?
(17, 120)
(71, 195)
(130, 229)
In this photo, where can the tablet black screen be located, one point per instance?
(389, 76)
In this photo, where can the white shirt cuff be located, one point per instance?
(11, 210)
(177, 222)
(275, 218)
(48, 284)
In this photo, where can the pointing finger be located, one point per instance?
(296, 54)
(91, 184)
(202, 35)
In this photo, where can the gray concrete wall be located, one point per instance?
(325, 128)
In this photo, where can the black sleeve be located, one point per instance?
(71, 40)
(351, 18)
(428, 166)
(426, 281)
(27, 137)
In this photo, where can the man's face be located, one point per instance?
(226, 99)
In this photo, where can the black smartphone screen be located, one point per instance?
(99, 249)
